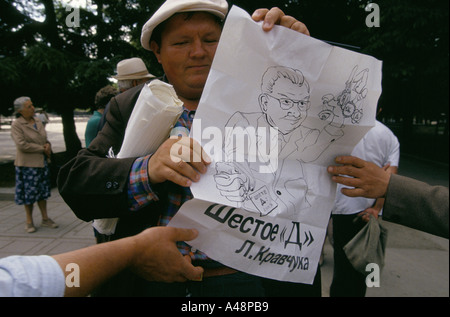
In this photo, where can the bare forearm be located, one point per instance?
(96, 264)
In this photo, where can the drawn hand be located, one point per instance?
(360, 82)
(276, 16)
(232, 183)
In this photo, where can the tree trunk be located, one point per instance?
(71, 139)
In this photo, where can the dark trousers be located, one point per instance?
(274, 288)
(232, 285)
(347, 282)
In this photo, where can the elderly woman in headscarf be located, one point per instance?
(31, 163)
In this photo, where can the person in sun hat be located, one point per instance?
(148, 191)
(131, 72)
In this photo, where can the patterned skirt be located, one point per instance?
(32, 184)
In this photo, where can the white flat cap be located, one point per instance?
(132, 68)
(170, 7)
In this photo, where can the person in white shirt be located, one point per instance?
(152, 254)
(350, 214)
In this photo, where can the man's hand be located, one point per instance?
(276, 16)
(157, 257)
(152, 254)
(365, 215)
(180, 160)
(368, 179)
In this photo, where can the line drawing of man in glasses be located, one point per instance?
(284, 102)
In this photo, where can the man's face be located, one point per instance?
(286, 107)
(187, 51)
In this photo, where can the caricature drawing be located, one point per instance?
(284, 102)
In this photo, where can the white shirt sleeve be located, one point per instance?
(31, 276)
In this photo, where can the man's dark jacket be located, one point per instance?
(95, 186)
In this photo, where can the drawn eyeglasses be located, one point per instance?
(286, 103)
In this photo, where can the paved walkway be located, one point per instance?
(71, 234)
(417, 264)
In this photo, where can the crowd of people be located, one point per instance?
(147, 191)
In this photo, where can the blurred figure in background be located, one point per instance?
(350, 214)
(43, 116)
(131, 72)
(102, 98)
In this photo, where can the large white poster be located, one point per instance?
(277, 108)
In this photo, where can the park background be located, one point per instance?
(61, 62)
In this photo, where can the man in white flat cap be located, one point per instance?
(148, 191)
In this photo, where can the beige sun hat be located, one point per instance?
(132, 68)
(170, 7)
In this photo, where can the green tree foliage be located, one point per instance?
(412, 41)
(36, 36)
(59, 66)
